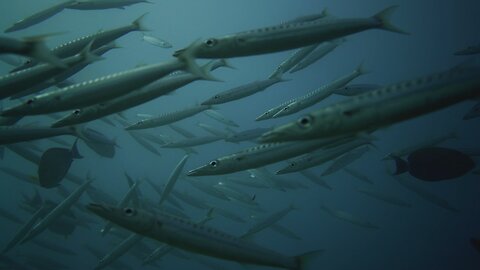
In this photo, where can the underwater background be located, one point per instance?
(423, 236)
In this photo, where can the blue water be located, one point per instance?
(422, 237)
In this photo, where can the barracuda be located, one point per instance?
(198, 238)
(384, 106)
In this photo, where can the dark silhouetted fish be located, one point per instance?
(435, 164)
(55, 163)
(474, 112)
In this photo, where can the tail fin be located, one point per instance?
(187, 55)
(384, 18)
(400, 164)
(304, 260)
(75, 153)
(361, 69)
(139, 25)
(87, 54)
(41, 52)
(221, 63)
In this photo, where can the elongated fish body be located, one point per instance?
(193, 142)
(384, 106)
(285, 232)
(147, 93)
(168, 118)
(257, 156)
(356, 89)
(190, 200)
(25, 228)
(285, 37)
(10, 135)
(38, 17)
(471, 50)
(315, 179)
(66, 73)
(193, 237)
(358, 175)
(246, 135)
(220, 118)
(208, 189)
(345, 160)
(320, 157)
(99, 38)
(104, 4)
(268, 221)
(384, 197)
(348, 217)
(95, 90)
(185, 133)
(157, 41)
(170, 199)
(317, 95)
(322, 50)
(214, 131)
(12, 217)
(17, 82)
(241, 91)
(172, 179)
(293, 60)
(425, 194)
(119, 250)
(57, 212)
(271, 112)
(157, 254)
(144, 143)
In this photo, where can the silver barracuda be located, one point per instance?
(168, 118)
(118, 251)
(317, 95)
(104, 4)
(258, 156)
(193, 142)
(285, 37)
(322, 50)
(39, 16)
(241, 91)
(172, 179)
(197, 238)
(384, 106)
(95, 90)
(356, 89)
(135, 98)
(19, 81)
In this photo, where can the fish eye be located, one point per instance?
(211, 42)
(305, 121)
(77, 112)
(214, 163)
(28, 61)
(215, 97)
(30, 101)
(129, 212)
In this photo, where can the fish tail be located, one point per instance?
(75, 153)
(139, 24)
(384, 18)
(400, 164)
(87, 54)
(304, 260)
(41, 52)
(224, 63)
(187, 56)
(361, 70)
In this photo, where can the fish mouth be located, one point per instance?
(197, 172)
(271, 136)
(178, 53)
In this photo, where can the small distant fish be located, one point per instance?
(474, 112)
(220, 118)
(435, 164)
(39, 16)
(246, 135)
(474, 49)
(118, 251)
(346, 160)
(322, 50)
(348, 217)
(54, 165)
(172, 179)
(156, 41)
(104, 4)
